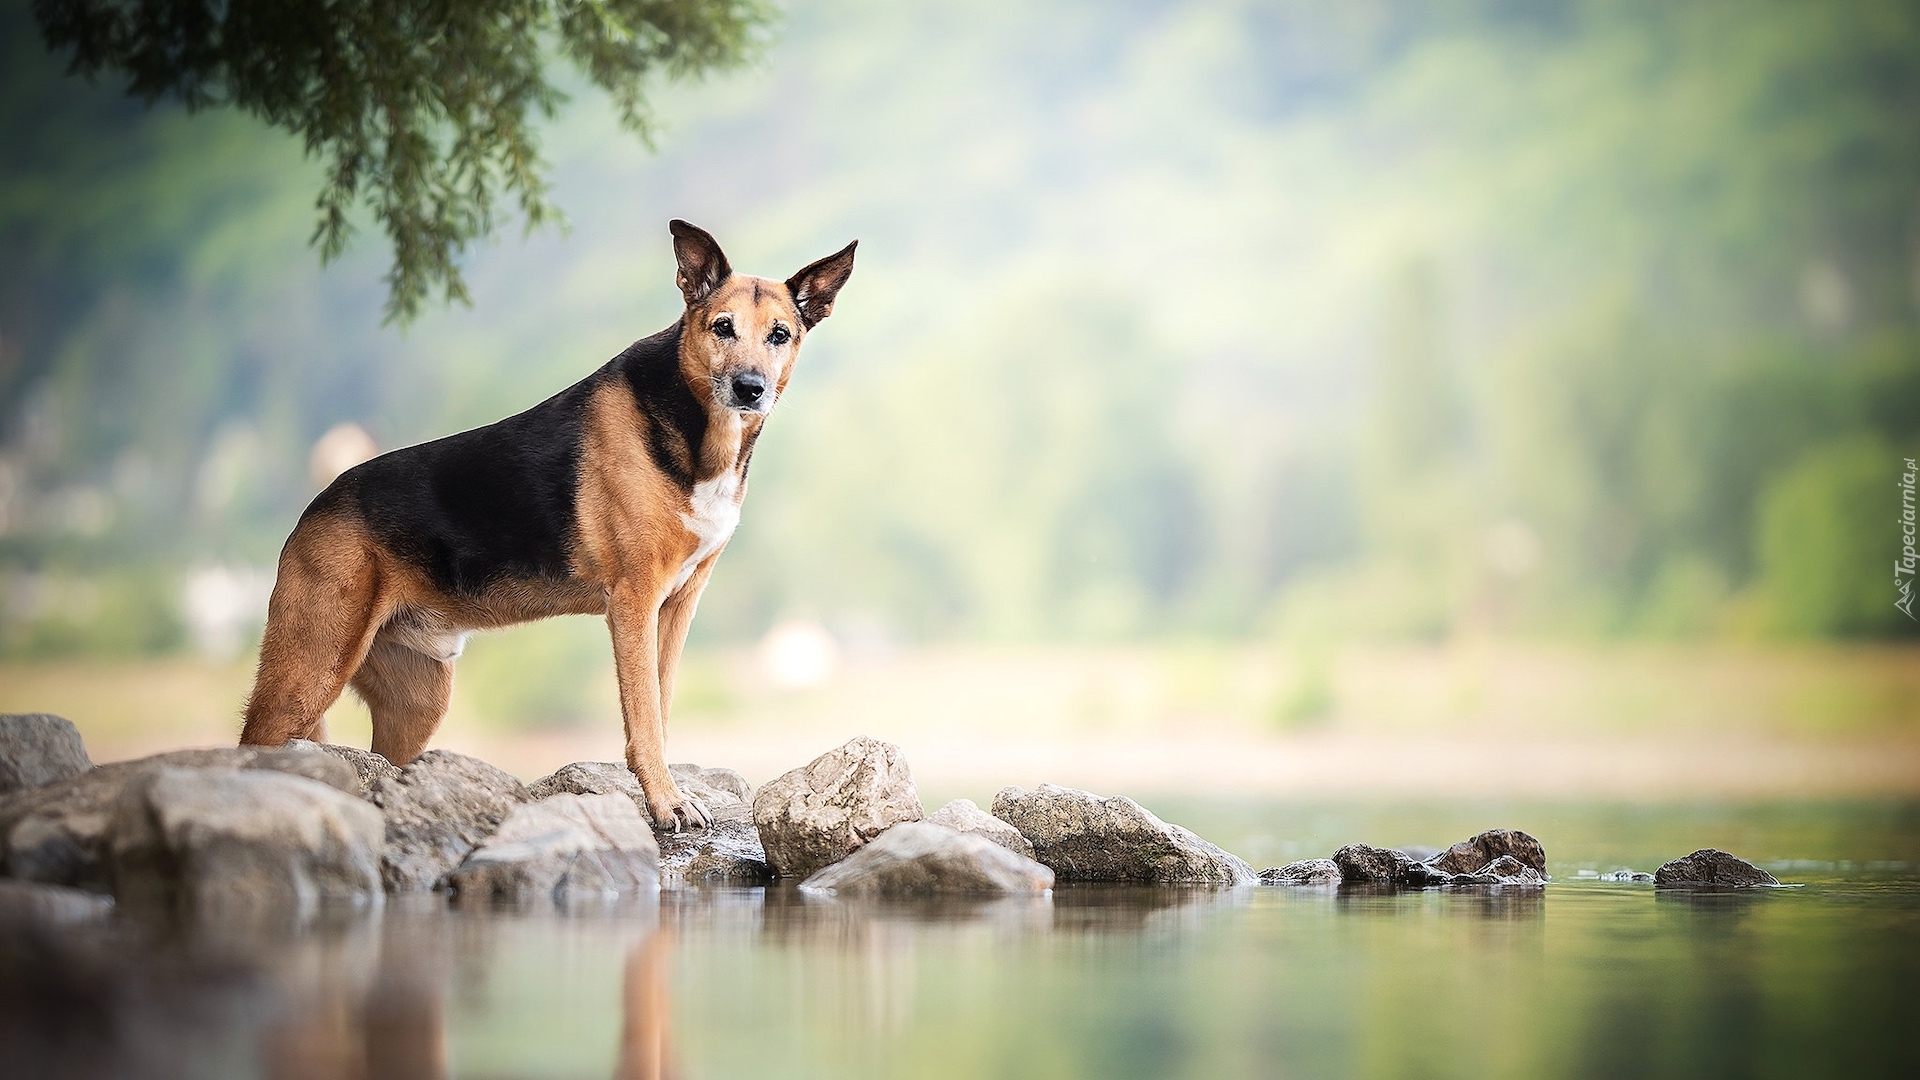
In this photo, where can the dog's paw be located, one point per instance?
(687, 813)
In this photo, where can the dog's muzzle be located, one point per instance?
(747, 391)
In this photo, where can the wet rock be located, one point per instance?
(51, 905)
(438, 809)
(1470, 855)
(918, 858)
(1506, 871)
(965, 815)
(233, 842)
(1309, 872)
(1710, 868)
(817, 815)
(57, 833)
(1419, 852)
(564, 848)
(38, 749)
(1084, 837)
(1363, 865)
(729, 853)
(368, 767)
(1626, 875)
(724, 792)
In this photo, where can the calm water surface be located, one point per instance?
(1583, 978)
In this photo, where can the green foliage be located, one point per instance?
(1829, 535)
(421, 111)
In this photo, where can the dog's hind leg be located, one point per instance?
(325, 608)
(407, 692)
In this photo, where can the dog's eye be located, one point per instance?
(778, 335)
(723, 328)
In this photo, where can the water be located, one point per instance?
(1582, 978)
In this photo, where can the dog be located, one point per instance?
(614, 497)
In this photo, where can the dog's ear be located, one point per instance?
(815, 286)
(703, 266)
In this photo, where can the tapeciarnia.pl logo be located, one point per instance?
(1904, 566)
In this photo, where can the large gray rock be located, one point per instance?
(57, 833)
(724, 792)
(728, 853)
(965, 815)
(817, 815)
(1308, 872)
(1084, 837)
(243, 842)
(438, 809)
(564, 848)
(368, 767)
(37, 749)
(1711, 868)
(50, 905)
(1506, 871)
(918, 858)
(1363, 865)
(1471, 855)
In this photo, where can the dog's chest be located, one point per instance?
(712, 512)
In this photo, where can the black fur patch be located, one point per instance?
(498, 503)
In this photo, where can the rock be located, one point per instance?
(55, 905)
(1469, 855)
(965, 815)
(243, 842)
(1363, 865)
(38, 749)
(1309, 872)
(368, 767)
(918, 858)
(563, 848)
(1084, 837)
(1626, 875)
(724, 792)
(438, 809)
(1505, 870)
(817, 815)
(56, 833)
(1710, 868)
(729, 853)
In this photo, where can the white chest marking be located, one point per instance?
(711, 518)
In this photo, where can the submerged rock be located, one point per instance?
(1710, 868)
(724, 792)
(1505, 870)
(1625, 875)
(227, 842)
(965, 815)
(819, 814)
(728, 853)
(919, 858)
(1361, 864)
(438, 809)
(1307, 872)
(368, 767)
(1470, 856)
(57, 833)
(1084, 837)
(565, 847)
(38, 749)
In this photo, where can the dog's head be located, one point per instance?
(742, 333)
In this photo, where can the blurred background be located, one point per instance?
(1261, 397)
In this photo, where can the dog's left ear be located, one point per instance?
(815, 286)
(703, 266)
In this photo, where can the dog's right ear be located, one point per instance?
(703, 266)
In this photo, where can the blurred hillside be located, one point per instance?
(1332, 322)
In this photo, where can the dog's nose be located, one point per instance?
(748, 386)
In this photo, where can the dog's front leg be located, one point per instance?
(633, 615)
